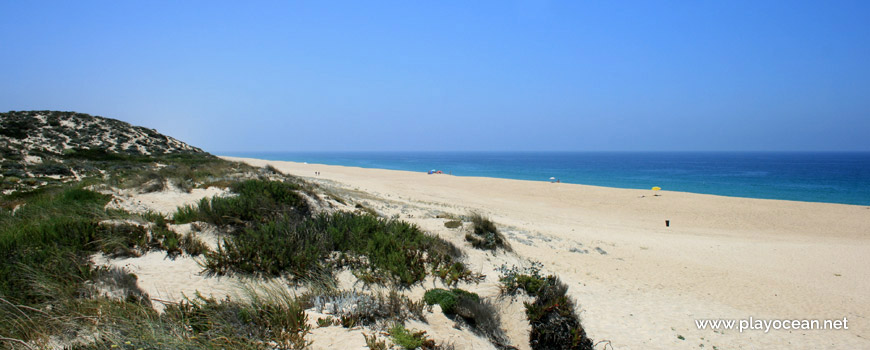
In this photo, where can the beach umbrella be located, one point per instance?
(656, 188)
(552, 178)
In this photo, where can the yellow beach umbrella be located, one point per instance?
(656, 188)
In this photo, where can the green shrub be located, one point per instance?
(454, 272)
(365, 210)
(124, 241)
(442, 297)
(272, 170)
(404, 338)
(554, 323)
(394, 249)
(527, 279)
(44, 246)
(448, 299)
(16, 128)
(485, 235)
(162, 238)
(258, 201)
(131, 240)
(94, 154)
(270, 249)
(453, 224)
(192, 245)
(51, 168)
(325, 322)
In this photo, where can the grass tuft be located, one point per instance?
(484, 234)
(193, 245)
(373, 343)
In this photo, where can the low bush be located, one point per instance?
(126, 240)
(155, 183)
(193, 245)
(44, 246)
(513, 279)
(468, 307)
(326, 322)
(271, 316)
(51, 168)
(453, 224)
(448, 299)
(399, 251)
(373, 343)
(94, 154)
(257, 201)
(272, 170)
(16, 128)
(554, 323)
(366, 210)
(410, 340)
(484, 234)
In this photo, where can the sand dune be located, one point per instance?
(640, 284)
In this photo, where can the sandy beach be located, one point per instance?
(640, 284)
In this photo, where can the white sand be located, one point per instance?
(163, 202)
(169, 280)
(639, 284)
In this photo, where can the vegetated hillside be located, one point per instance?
(50, 133)
(41, 147)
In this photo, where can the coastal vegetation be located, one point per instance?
(50, 288)
(469, 308)
(453, 224)
(65, 212)
(305, 248)
(555, 324)
(485, 235)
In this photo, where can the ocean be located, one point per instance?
(812, 177)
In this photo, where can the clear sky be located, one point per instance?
(445, 75)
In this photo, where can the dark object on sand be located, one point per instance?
(667, 223)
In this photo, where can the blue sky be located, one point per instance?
(446, 76)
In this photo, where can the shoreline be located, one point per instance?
(573, 183)
(641, 284)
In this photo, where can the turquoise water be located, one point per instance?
(814, 177)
